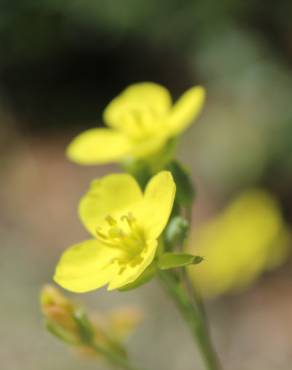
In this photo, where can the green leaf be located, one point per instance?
(172, 260)
(185, 191)
(144, 278)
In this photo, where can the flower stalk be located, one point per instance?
(113, 358)
(193, 315)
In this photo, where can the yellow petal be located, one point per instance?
(157, 204)
(131, 273)
(149, 146)
(151, 94)
(112, 195)
(139, 110)
(186, 109)
(85, 266)
(99, 146)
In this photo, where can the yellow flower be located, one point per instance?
(247, 238)
(124, 320)
(125, 224)
(141, 120)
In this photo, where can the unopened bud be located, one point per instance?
(59, 314)
(57, 308)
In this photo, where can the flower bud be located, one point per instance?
(59, 314)
(57, 308)
(93, 336)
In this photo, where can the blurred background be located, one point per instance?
(61, 63)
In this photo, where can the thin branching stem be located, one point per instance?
(113, 358)
(193, 315)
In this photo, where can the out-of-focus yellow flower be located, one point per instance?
(126, 225)
(238, 245)
(124, 320)
(141, 120)
(111, 329)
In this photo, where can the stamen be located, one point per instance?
(111, 221)
(130, 219)
(128, 238)
(100, 234)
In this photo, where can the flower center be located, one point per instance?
(125, 235)
(140, 122)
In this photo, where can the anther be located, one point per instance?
(111, 221)
(129, 218)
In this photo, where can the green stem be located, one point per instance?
(193, 316)
(114, 358)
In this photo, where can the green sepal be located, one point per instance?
(143, 169)
(173, 260)
(139, 169)
(84, 326)
(176, 232)
(185, 191)
(61, 333)
(144, 278)
(162, 158)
